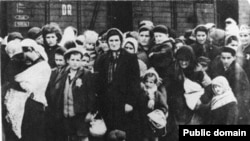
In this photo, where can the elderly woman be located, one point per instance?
(117, 85)
(181, 111)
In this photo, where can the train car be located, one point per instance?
(100, 15)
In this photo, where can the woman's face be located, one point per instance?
(51, 39)
(144, 38)
(218, 89)
(184, 63)
(129, 48)
(245, 38)
(233, 44)
(201, 37)
(114, 43)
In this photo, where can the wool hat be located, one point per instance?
(32, 45)
(34, 33)
(72, 50)
(185, 53)
(147, 23)
(14, 35)
(13, 47)
(114, 31)
(161, 29)
(90, 36)
(229, 50)
(133, 41)
(145, 28)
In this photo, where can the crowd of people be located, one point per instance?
(54, 83)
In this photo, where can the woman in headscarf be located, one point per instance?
(180, 112)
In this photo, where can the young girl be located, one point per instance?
(224, 109)
(151, 99)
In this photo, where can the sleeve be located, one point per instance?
(232, 114)
(162, 102)
(208, 95)
(91, 93)
(97, 76)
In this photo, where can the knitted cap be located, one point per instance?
(229, 50)
(146, 23)
(161, 29)
(13, 47)
(72, 50)
(14, 35)
(34, 33)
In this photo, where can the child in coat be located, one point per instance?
(224, 108)
(151, 99)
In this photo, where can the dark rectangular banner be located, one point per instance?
(215, 132)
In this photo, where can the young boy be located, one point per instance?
(161, 55)
(202, 47)
(73, 98)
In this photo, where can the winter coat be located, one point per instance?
(206, 50)
(160, 103)
(225, 115)
(122, 90)
(83, 96)
(162, 57)
(51, 55)
(244, 60)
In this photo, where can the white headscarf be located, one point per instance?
(133, 41)
(38, 48)
(222, 99)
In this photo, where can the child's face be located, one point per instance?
(150, 82)
(59, 59)
(234, 44)
(90, 45)
(218, 89)
(160, 37)
(51, 39)
(129, 48)
(201, 37)
(103, 45)
(74, 61)
(85, 61)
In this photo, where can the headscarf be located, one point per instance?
(133, 41)
(222, 99)
(38, 48)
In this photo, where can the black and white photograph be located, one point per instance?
(122, 70)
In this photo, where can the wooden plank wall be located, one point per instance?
(160, 12)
